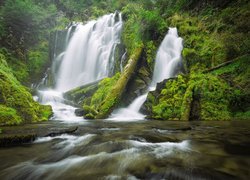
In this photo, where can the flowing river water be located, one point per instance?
(102, 149)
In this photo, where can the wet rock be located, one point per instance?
(81, 94)
(119, 52)
(57, 132)
(14, 136)
(17, 139)
(89, 116)
(79, 112)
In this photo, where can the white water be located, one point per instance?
(89, 56)
(167, 63)
(90, 53)
(99, 160)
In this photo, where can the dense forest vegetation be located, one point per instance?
(214, 84)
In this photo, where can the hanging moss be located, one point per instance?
(214, 96)
(200, 45)
(237, 74)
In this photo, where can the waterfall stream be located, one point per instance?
(89, 56)
(167, 64)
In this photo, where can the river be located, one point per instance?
(146, 149)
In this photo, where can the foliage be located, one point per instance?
(38, 59)
(150, 49)
(141, 25)
(24, 33)
(23, 19)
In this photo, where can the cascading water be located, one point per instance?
(89, 56)
(168, 62)
(90, 53)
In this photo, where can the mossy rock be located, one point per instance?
(89, 116)
(195, 97)
(17, 104)
(17, 139)
(9, 116)
(104, 88)
(80, 94)
(89, 110)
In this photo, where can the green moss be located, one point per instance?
(201, 96)
(46, 112)
(237, 74)
(150, 49)
(104, 88)
(89, 110)
(82, 95)
(142, 26)
(21, 106)
(131, 35)
(170, 100)
(9, 116)
(214, 96)
(89, 116)
(201, 45)
(243, 115)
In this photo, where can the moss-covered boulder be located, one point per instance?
(195, 97)
(16, 103)
(82, 95)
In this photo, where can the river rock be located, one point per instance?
(79, 112)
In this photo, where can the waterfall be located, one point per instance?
(88, 56)
(90, 53)
(167, 65)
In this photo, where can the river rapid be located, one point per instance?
(147, 149)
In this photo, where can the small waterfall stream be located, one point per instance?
(89, 56)
(167, 64)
